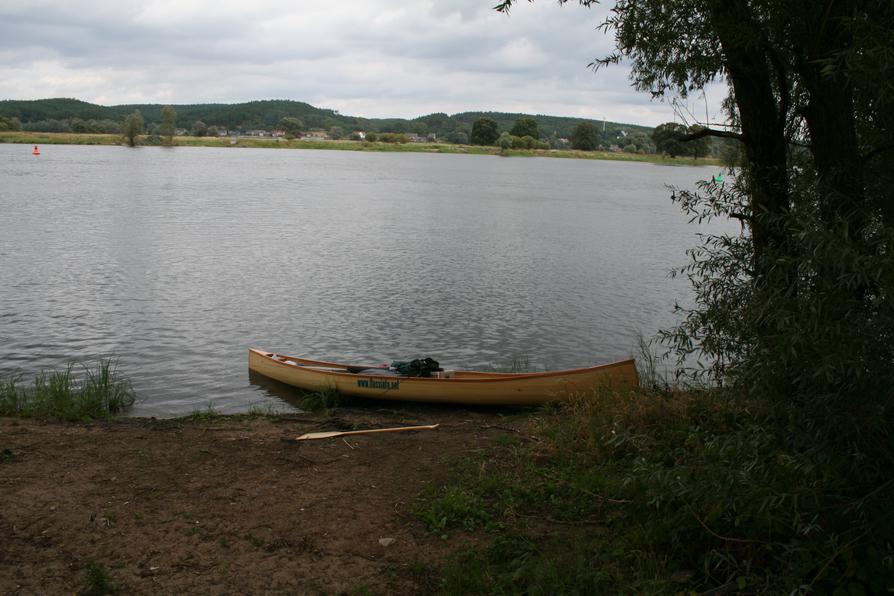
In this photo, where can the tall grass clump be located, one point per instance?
(674, 492)
(96, 394)
(324, 399)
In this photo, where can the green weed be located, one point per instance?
(324, 399)
(668, 492)
(98, 581)
(208, 414)
(96, 394)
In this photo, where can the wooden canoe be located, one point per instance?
(463, 387)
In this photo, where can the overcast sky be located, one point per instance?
(374, 58)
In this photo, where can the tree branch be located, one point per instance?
(710, 132)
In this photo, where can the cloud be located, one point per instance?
(374, 58)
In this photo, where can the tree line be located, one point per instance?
(70, 115)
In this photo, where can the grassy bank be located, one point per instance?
(93, 394)
(641, 492)
(33, 138)
(665, 493)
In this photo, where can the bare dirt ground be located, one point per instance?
(229, 505)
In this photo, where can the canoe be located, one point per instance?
(454, 387)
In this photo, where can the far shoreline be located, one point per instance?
(55, 138)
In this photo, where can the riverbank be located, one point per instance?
(49, 138)
(214, 504)
(640, 492)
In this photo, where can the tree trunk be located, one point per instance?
(749, 69)
(831, 122)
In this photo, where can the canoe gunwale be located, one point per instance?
(484, 377)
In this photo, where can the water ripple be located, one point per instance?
(176, 261)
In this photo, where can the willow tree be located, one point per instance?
(802, 303)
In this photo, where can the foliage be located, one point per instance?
(697, 147)
(94, 395)
(795, 314)
(291, 126)
(61, 115)
(168, 124)
(667, 138)
(525, 126)
(132, 127)
(336, 132)
(504, 141)
(199, 129)
(392, 137)
(484, 132)
(585, 137)
(458, 137)
(662, 492)
(10, 123)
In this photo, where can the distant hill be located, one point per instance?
(68, 114)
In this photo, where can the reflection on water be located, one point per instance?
(273, 389)
(178, 260)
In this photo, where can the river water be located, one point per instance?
(176, 260)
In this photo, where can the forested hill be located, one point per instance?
(48, 113)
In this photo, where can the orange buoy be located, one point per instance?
(36, 150)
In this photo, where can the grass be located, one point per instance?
(208, 414)
(98, 581)
(96, 394)
(51, 138)
(324, 399)
(666, 492)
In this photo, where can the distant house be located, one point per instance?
(413, 137)
(181, 131)
(317, 134)
(360, 134)
(278, 132)
(257, 133)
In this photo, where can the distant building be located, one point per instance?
(317, 134)
(278, 132)
(360, 134)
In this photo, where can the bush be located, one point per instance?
(688, 490)
(504, 142)
(393, 137)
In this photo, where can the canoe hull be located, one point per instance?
(466, 387)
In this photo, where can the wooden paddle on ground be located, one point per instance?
(329, 435)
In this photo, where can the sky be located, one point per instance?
(371, 58)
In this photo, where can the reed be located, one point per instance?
(96, 393)
(324, 399)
